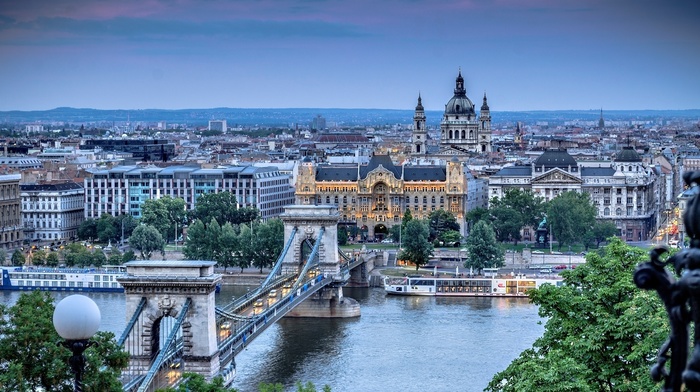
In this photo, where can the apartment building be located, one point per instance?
(124, 189)
(52, 212)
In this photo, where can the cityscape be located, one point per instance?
(348, 196)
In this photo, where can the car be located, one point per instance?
(560, 267)
(387, 241)
(272, 293)
(545, 271)
(257, 306)
(286, 287)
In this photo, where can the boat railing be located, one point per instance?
(67, 270)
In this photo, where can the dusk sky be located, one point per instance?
(175, 54)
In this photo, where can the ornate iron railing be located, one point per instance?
(681, 297)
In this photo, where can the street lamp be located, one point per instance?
(76, 319)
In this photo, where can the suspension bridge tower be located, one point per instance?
(310, 224)
(171, 298)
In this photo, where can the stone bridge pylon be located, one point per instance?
(310, 221)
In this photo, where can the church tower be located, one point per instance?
(601, 122)
(420, 133)
(518, 137)
(485, 127)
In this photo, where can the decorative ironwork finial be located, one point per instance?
(681, 297)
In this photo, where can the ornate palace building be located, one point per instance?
(461, 130)
(374, 196)
(624, 190)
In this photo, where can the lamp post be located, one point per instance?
(76, 319)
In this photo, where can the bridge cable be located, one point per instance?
(132, 322)
(155, 365)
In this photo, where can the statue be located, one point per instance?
(543, 224)
(680, 293)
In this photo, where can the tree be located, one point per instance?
(3, 256)
(38, 257)
(572, 216)
(416, 247)
(477, 214)
(18, 258)
(451, 238)
(164, 214)
(106, 228)
(482, 249)
(513, 211)
(98, 258)
(602, 230)
(601, 334)
(52, 259)
(506, 223)
(196, 242)
(87, 229)
(441, 221)
(228, 247)
(342, 235)
(115, 257)
(129, 255)
(262, 243)
(31, 359)
(223, 207)
(147, 239)
(395, 233)
(125, 223)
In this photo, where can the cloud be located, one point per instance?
(53, 31)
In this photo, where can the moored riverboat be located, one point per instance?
(516, 286)
(102, 279)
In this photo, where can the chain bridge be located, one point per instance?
(173, 325)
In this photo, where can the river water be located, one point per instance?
(400, 344)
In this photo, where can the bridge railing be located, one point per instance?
(245, 333)
(169, 347)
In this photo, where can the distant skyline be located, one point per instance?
(174, 54)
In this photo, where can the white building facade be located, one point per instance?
(52, 212)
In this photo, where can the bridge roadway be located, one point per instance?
(235, 339)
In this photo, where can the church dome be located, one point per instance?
(628, 154)
(460, 104)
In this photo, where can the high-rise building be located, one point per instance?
(318, 123)
(218, 125)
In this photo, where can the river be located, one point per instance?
(401, 344)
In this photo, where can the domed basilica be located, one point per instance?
(461, 131)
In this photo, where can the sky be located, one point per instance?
(379, 54)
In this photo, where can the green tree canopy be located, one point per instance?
(342, 235)
(483, 250)
(106, 230)
(477, 214)
(262, 243)
(441, 221)
(416, 247)
(196, 243)
(18, 258)
(506, 223)
(602, 333)
(32, 361)
(223, 207)
(146, 239)
(87, 229)
(571, 216)
(166, 214)
(513, 211)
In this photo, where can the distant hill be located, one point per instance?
(287, 117)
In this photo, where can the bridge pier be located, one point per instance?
(328, 302)
(309, 220)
